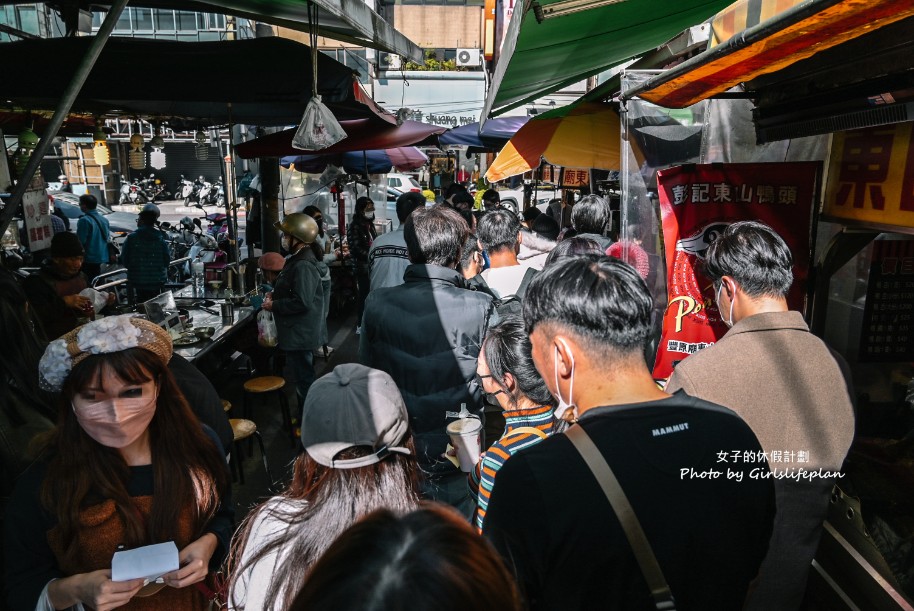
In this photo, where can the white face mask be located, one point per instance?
(563, 405)
(369, 216)
(729, 323)
(286, 243)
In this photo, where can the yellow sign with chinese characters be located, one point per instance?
(871, 176)
(576, 177)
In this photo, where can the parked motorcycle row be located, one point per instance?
(151, 189)
(188, 239)
(200, 191)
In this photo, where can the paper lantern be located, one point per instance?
(100, 150)
(136, 158)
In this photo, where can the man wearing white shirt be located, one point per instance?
(500, 236)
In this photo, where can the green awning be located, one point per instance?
(545, 54)
(346, 20)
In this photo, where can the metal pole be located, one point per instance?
(233, 189)
(231, 218)
(63, 109)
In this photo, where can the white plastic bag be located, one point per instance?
(266, 329)
(318, 128)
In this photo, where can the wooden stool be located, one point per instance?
(265, 385)
(226, 406)
(244, 429)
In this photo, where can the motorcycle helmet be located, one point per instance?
(151, 210)
(299, 225)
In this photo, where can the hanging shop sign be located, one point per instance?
(697, 203)
(37, 213)
(871, 176)
(887, 333)
(576, 178)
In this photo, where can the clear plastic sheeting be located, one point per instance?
(729, 137)
(654, 138)
(298, 190)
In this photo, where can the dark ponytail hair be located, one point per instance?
(507, 349)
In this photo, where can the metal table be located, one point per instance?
(201, 318)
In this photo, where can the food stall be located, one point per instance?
(828, 82)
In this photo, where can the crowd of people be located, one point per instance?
(596, 490)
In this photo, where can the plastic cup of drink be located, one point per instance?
(466, 437)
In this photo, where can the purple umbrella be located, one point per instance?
(361, 162)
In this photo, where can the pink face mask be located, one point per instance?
(116, 423)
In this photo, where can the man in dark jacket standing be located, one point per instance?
(297, 300)
(426, 333)
(145, 255)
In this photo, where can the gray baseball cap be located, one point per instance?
(353, 406)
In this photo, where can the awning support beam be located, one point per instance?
(62, 110)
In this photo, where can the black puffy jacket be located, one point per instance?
(427, 333)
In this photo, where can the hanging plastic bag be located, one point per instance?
(330, 173)
(318, 129)
(267, 335)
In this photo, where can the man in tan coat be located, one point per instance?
(786, 385)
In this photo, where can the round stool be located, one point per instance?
(226, 406)
(266, 385)
(245, 429)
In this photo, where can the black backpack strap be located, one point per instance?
(524, 283)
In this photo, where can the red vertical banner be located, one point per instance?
(697, 203)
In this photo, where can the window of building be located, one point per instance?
(186, 21)
(123, 21)
(164, 20)
(142, 19)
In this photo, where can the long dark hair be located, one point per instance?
(325, 502)
(187, 467)
(428, 559)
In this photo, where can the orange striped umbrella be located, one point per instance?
(578, 136)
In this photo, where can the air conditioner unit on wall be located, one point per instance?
(389, 61)
(469, 57)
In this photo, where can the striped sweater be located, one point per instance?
(482, 479)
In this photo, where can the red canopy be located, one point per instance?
(363, 135)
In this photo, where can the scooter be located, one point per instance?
(185, 190)
(130, 193)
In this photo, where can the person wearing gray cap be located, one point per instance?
(358, 457)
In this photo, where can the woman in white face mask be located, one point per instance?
(360, 235)
(125, 467)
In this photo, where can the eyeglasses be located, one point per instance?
(480, 378)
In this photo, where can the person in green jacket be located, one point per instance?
(297, 300)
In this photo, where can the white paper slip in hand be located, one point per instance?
(149, 562)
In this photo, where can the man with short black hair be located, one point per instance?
(786, 384)
(93, 231)
(426, 333)
(145, 255)
(500, 236)
(589, 217)
(707, 523)
(387, 257)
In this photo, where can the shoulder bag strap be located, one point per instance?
(660, 590)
